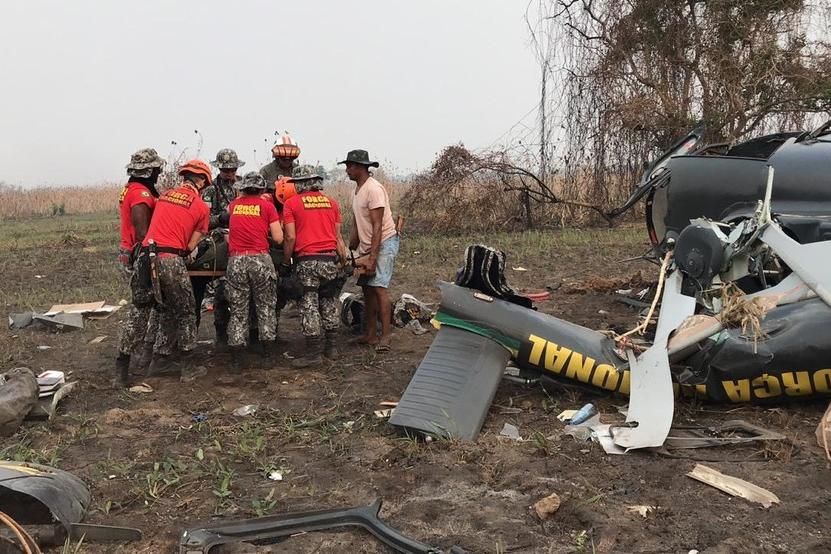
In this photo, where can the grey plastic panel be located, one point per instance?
(452, 389)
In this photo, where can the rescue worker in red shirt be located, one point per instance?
(135, 205)
(251, 275)
(180, 220)
(313, 241)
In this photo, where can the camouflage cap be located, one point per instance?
(252, 180)
(305, 173)
(227, 159)
(143, 162)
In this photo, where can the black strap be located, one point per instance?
(171, 250)
(318, 258)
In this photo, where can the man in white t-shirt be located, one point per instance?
(376, 239)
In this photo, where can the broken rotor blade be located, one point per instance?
(651, 399)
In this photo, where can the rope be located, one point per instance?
(645, 323)
(27, 543)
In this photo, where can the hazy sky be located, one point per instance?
(84, 83)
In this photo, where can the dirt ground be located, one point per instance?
(168, 460)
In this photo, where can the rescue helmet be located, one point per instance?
(286, 148)
(197, 167)
(227, 159)
(284, 189)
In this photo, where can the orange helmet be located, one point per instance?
(286, 148)
(284, 189)
(199, 168)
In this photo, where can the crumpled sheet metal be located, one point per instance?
(38, 494)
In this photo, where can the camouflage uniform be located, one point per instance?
(251, 277)
(134, 328)
(177, 317)
(317, 313)
(218, 197)
(271, 172)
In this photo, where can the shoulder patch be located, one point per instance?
(145, 194)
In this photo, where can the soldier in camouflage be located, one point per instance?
(251, 274)
(313, 241)
(136, 203)
(218, 197)
(285, 153)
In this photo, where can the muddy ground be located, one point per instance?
(149, 464)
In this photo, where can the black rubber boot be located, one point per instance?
(270, 349)
(237, 363)
(312, 356)
(330, 349)
(221, 338)
(122, 370)
(161, 363)
(141, 360)
(188, 370)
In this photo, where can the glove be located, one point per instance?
(284, 270)
(224, 219)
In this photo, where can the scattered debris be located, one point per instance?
(202, 540)
(141, 388)
(510, 431)
(383, 414)
(582, 414)
(52, 388)
(199, 418)
(246, 410)
(82, 308)
(566, 415)
(275, 475)
(44, 348)
(735, 431)
(39, 495)
(548, 506)
(519, 268)
(18, 395)
(64, 316)
(98, 339)
(824, 432)
(642, 511)
(733, 485)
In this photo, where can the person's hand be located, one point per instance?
(370, 265)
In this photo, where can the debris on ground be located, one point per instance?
(18, 395)
(248, 409)
(275, 475)
(51, 503)
(733, 485)
(735, 431)
(408, 312)
(510, 431)
(582, 414)
(642, 511)
(63, 316)
(52, 388)
(141, 388)
(98, 339)
(548, 506)
(824, 432)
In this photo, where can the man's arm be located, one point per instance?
(354, 241)
(341, 246)
(288, 243)
(140, 217)
(277, 231)
(194, 240)
(376, 217)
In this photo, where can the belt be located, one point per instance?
(170, 250)
(318, 257)
(248, 253)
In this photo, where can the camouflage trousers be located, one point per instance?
(222, 309)
(177, 317)
(134, 328)
(251, 279)
(317, 313)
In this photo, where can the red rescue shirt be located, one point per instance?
(132, 195)
(315, 217)
(179, 212)
(248, 229)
